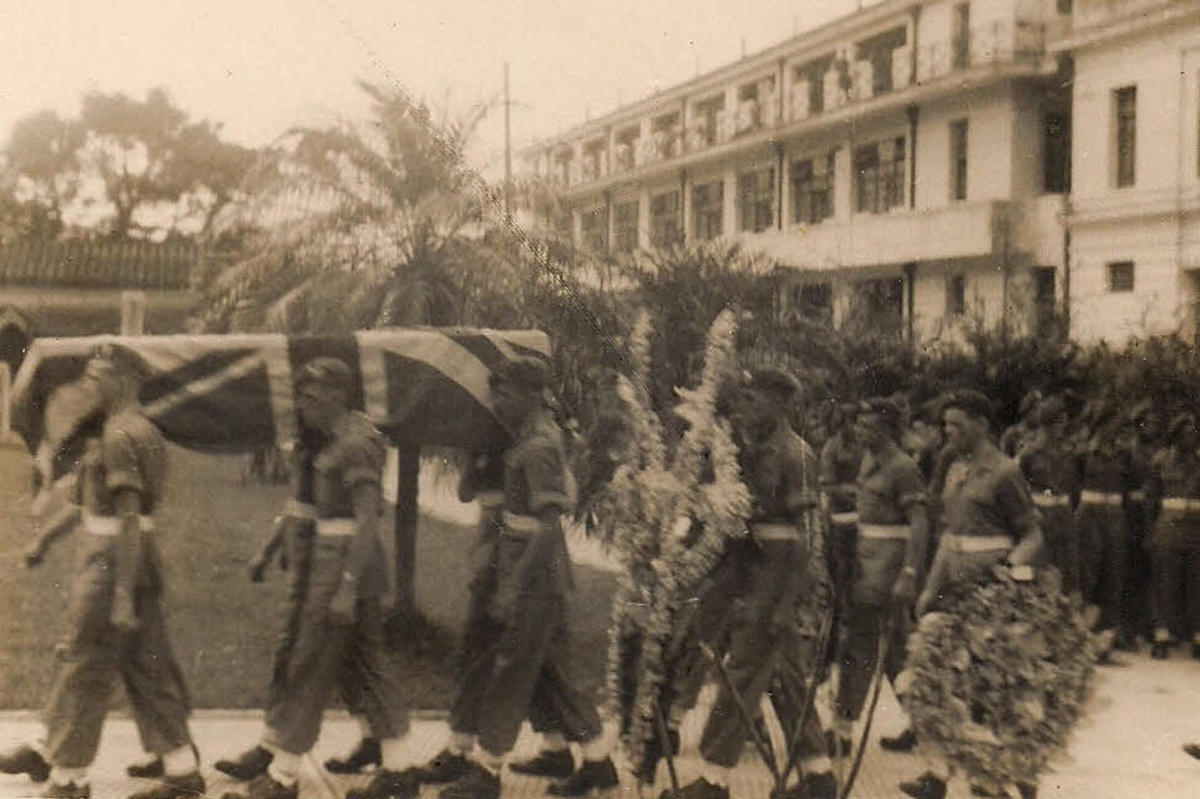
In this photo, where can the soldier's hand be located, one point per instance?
(34, 554)
(257, 569)
(123, 615)
(904, 591)
(341, 607)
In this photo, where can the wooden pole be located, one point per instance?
(5, 400)
(133, 313)
(405, 531)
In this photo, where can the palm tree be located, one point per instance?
(353, 226)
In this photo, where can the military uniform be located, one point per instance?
(1102, 525)
(326, 652)
(780, 569)
(131, 455)
(1174, 488)
(523, 663)
(840, 461)
(1051, 472)
(887, 491)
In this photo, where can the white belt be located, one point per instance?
(1099, 498)
(845, 517)
(1051, 500)
(111, 525)
(490, 499)
(896, 532)
(978, 543)
(1181, 503)
(518, 523)
(1137, 496)
(299, 510)
(776, 531)
(337, 528)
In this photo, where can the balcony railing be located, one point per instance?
(1015, 41)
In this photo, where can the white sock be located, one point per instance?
(61, 775)
(269, 740)
(1162, 635)
(461, 743)
(285, 768)
(180, 761)
(554, 742)
(364, 727)
(818, 764)
(491, 762)
(596, 749)
(395, 753)
(41, 741)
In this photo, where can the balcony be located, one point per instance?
(960, 231)
(1006, 42)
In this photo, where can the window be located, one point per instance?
(956, 295)
(814, 72)
(958, 159)
(593, 160)
(563, 162)
(665, 229)
(879, 176)
(1056, 152)
(756, 199)
(1125, 133)
(625, 226)
(1120, 276)
(595, 230)
(708, 114)
(815, 301)
(961, 36)
(879, 50)
(1044, 279)
(627, 145)
(812, 190)
(665, 129)
(708, 200)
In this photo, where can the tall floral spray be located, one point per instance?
(652, 504)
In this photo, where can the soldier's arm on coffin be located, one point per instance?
(1021, 515)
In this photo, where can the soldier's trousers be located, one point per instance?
(93, 652)
(764, 646)
(299, 545)
(327, 653)
(523, 670)
(1062, 544)
(869, 614)
(1175, 595)
(481, 630)
(1103, 540)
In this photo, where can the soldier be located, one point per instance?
(1026, 424)
(988, 519)
(524, 669)
(782, 566)
(1048, 465)
(893, 534)
(1173, 488)
(1144, 443)
(340, 622)
(840, 459)
(116, 604)
(482, 481)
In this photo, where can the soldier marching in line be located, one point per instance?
(841, 457)
(988, 519)
(1145, 433)
(893, 534)
(778, 568)
(340, 623)
(117, 620)
(523, 670)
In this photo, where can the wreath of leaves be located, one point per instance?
(999, 676)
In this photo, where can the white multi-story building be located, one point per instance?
(1134, 216)
(908, 161)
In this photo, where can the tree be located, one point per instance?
(43, 170)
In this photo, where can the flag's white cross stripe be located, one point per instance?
(195, 388)
(283, 404)
(439, 351)
(374, 378)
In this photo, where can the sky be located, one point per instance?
(261, 66)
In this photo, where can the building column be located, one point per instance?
(843, 183)
(643, 220)
(783, 204)
(729, 220)
(685, 207)
(841, 290)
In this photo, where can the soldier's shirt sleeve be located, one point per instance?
(910, 484)
(827, 466)
(123, 468)
(363, 454)
(545, 469)
(1014, 500)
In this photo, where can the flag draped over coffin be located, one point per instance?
(234, 393)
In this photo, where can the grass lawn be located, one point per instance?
(222, 625)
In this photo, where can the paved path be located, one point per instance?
(1128, 746)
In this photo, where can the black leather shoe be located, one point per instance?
(820, 786)
(476, 783)
(556, 764)
(653, 753)
(1195, 650)
(67, 790)
(697, 789)
(927, 786)
(264, 786)
(904, 742)
(25, 760)
(446, 766)
(246, 766)
(388, 784)
(1160, 650)
(147, 769)
(183, 786)
(1193, 750)
(367, 753)
(599, 775)
(838, 745)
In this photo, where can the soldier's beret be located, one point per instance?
(529, 373)
(775, 382)
(326, 371)
(886, 408)
(970, 402)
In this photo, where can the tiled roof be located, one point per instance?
(98, 264)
